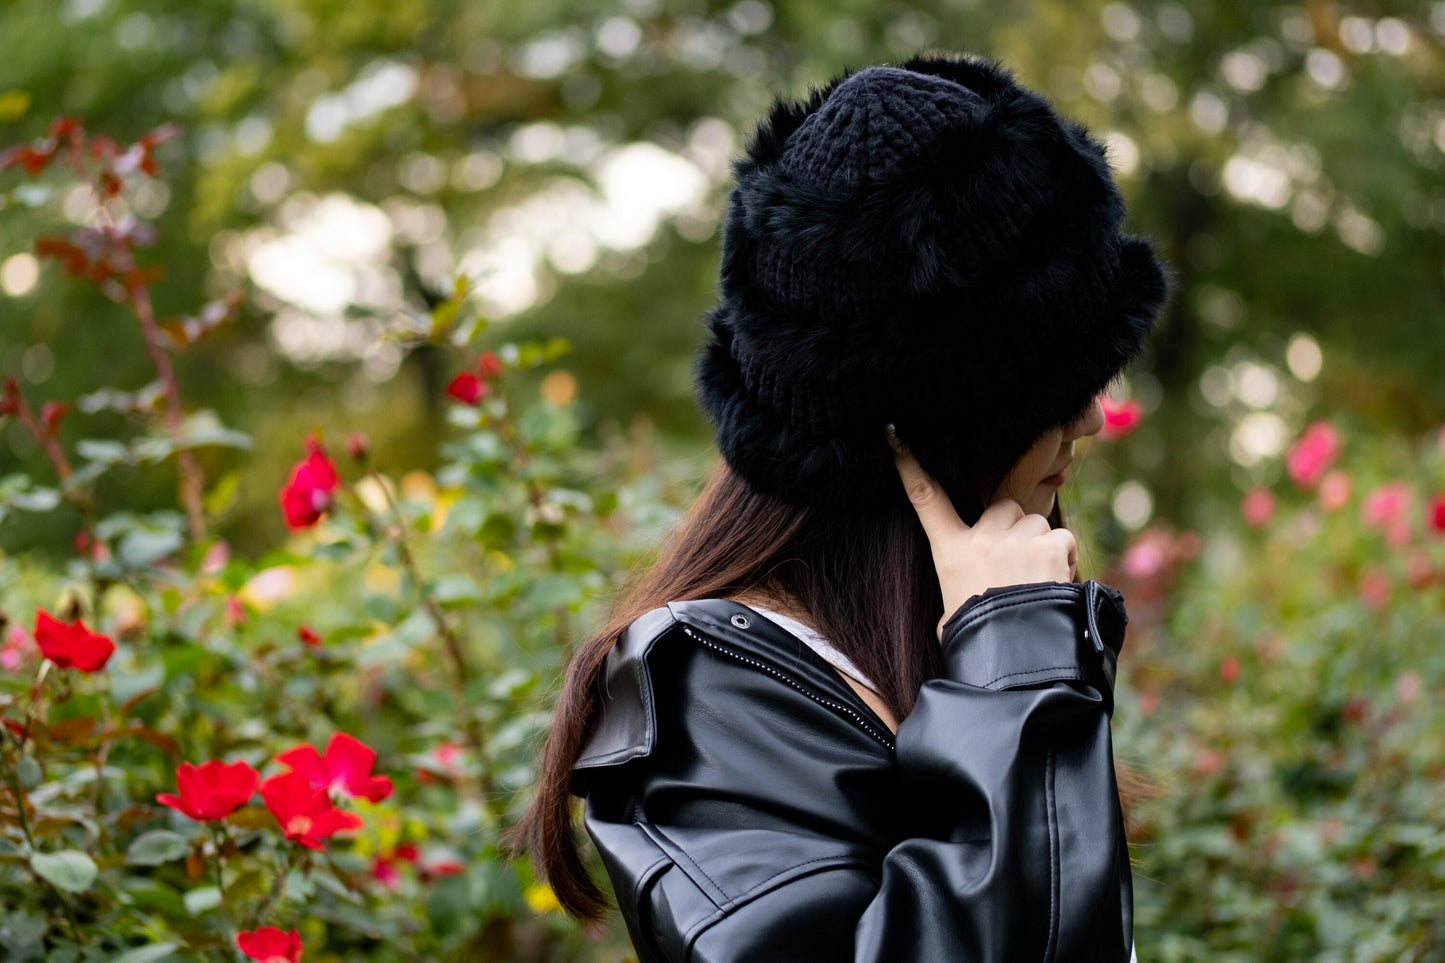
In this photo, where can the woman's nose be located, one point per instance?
(1090, 422)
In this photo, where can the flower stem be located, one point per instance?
(461, 673)
(192, 482)
(43, 438)
(277, 885)
(101, 755)
(12, 773)
(536, 497)
(221, 838)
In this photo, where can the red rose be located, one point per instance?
(235, 612)
(212, 790)
(1385, 508)
(384, 868)
(384, 871)
(1335, 490)
(1385, 504)
(489, 365)
(467, 388)
(1374, 588)
(1258, 507)
(440, 868)
(311, 489)
(12, 650)
(1435, 514)
(71, 645)
(270, 945)
(306, 815)
(1312, 454)
(345, 767)
(358, 446)
(308, 635)
(1120, 417)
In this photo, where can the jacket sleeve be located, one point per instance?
(1013, 747)
(1013, 844)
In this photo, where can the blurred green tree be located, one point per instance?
(345, 159)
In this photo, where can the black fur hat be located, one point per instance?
(928, 245)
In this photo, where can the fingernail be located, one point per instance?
(893, 440)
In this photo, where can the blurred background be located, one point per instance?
(344, 162)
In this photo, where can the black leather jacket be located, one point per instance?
(749, 806)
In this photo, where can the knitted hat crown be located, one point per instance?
(930, 246)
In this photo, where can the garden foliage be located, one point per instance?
(205, 756)
(1283, 683)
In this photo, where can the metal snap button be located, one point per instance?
(741, 621)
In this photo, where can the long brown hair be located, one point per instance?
(866, 580)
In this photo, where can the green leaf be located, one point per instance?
(27, 770)
(443, 316)
(156, 847)
(414, 630)
(34, 499)
(252, 817)
(553, 591)
(22, 930)
(70, 869)
(251, 883)
(153, 449)
(103, 450)
(114, 524)
(205, 428)
(498, 530)
(201, 900)
(145, 399)
(223, 493)
(145, 893)
(125, 686)
(455, 589)
(88, 472)
(141, 547)
(146, 954)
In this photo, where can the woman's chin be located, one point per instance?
(1043, 502)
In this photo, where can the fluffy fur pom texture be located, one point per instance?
(929, 245)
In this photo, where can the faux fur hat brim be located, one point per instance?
(976, 296)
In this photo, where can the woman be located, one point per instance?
(860, 708)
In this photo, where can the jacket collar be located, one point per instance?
(625, 725)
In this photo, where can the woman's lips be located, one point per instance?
(1057, 480)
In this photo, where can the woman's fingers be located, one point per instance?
(1004, 513)
(935, 511)
(1006, 546)
(1071, 548)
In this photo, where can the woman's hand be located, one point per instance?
(1005, 546)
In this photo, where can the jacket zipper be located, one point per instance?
(852, 714)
